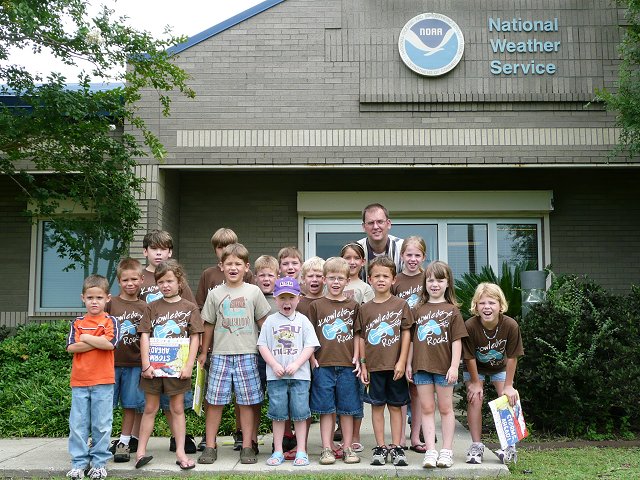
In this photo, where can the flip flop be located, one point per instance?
(291, 454)
(275, 459)
(420, 448)
(185, 465)
(142, 461)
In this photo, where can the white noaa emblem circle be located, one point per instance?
(431, 44)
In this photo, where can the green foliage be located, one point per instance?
(580, 375)
(626, 100)
(35, 396)
(509, 282)
(71, 133)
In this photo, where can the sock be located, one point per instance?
(125, 439)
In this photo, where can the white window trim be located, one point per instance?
(345, 208)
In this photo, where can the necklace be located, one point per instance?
(494, 335)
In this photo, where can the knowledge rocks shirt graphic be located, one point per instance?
(380, 325)
(333, 322)
(128, 314)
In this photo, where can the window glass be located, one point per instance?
(330, 244)
(60, 289)
(517, 244)
(467, 248)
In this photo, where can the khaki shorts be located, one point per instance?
(168, 386)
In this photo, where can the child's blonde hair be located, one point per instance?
(314, 263)
(266, 261)
(171, 265)
(336, 265)
(223, 237)
(439, 270)
(237, 250)
(128, 264)
(95, 281)
(490, 290)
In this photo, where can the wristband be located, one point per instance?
(146, 369)
(363, 360)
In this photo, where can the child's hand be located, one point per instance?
(452, 374)
(356, 370)
(364, 375)
(278, 370)
(398, 371)
(314, 363)
(292, 368)
(186, 372)
(475, 392)
(512, 394)
(408, 371)
(148, 373)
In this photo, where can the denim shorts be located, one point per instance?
(427, 378)
(384, 390)
(188, 401)
(237, 374)
(126, 390)
(336, 390)
(494, 377)
(288, 400)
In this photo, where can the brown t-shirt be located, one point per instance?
(303, 305)
(380, 324)
(409, 288)
(128, 313)
(491, 348)
(162, 319)
(436, 327)
(149, 291)
(333, 322)
(210, 279)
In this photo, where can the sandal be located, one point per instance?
(420, 448)
(302, 460)
(291, 454)
(185, 464)
(357, 447)
(338, 452)
(142, 461)
(248, 456)
(276, 458)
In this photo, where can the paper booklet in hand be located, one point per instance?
(168, 356)
(509, 421)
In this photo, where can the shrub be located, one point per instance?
(580, 375)
(35, 396)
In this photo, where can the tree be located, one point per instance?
(626, 101)
(76, 135)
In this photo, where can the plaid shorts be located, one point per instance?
(237, 374)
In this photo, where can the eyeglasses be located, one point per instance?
(379, 223)
(336, 279)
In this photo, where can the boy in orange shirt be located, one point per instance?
(92, 339)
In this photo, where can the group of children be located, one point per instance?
(310, 335)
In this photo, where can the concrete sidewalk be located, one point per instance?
(47, 457)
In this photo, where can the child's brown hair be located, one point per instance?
(439, 270)
(171, 265)
(95, 281)
(237, 250)
(158, 239)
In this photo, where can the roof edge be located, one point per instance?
(222, 26)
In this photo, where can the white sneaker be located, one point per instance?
(430, 459)
(76, 473)
(507, 455)
(97, 473)
(445, 459)
(475, 453)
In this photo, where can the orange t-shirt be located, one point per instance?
(95, 367)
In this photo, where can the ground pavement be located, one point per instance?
(46, 457)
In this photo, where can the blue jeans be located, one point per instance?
(336, 390)
(91, 414)
(288, 400)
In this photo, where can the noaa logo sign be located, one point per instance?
(431, 44)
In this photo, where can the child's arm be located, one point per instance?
(405, 342)
(508, 389)
(364, 374)
(147, 371)
(456, 351)
(475, 391)
(269, 359)
(356, 355)
(314, 362)
(187, 369)
(408, 370)
(260, 321)
(301, 360)
(79, 347)
(207, 337)
(99, 342)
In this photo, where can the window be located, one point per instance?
(57, 290)
(467, 245)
